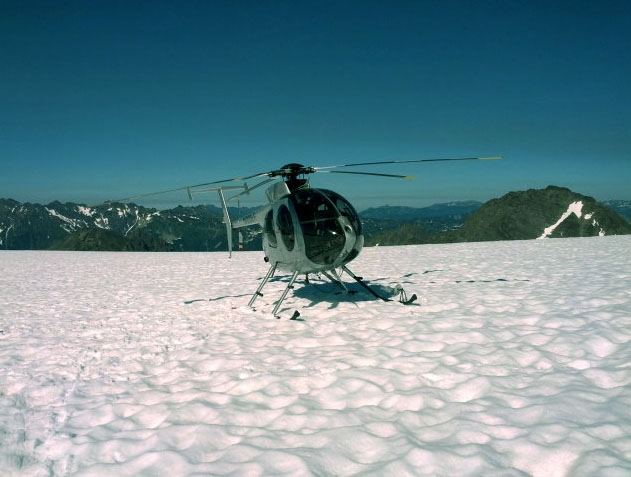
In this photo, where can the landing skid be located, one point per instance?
(360, 280)
(400, 292)
(331, 275)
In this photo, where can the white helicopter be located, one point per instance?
(305, 230)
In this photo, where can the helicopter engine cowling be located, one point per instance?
(311, 230)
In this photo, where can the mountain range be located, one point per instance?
(112, 226)
(550, 212)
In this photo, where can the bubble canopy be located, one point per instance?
(327, 221)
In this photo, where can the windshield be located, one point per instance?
(345, 208)
(321, 229)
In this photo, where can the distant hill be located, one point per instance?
(406, 234)
(393, 225)
(550, 212)
(457, 210)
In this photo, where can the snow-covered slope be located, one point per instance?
(516, 362)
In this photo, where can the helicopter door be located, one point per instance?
(268, 230)
(286, 227)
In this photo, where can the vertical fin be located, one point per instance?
(226, 219)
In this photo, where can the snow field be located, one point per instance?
(517, 362)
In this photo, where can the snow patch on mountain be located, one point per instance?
(134, 224)
(102, 223)
(6, 235)
(575, 208)
(70, 225)
(87, 211)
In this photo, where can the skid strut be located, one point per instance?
(268, 275)
(290, 285)
(362, 283)
(258, 293)
(335, 279)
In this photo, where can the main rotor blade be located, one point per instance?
(482, 158)
(177, 189)
(149, 194)
(370, 174)
(253, 176)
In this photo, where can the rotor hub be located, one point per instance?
(293, 170)
(290, 173)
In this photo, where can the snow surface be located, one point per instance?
(517, 362)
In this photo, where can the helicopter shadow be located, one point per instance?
(223, 297)
(318, 292)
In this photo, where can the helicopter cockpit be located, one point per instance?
(328, 223)
(318, 225)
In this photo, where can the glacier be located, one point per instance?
(516, 361)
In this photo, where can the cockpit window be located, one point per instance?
(345, 208)
(321, 229)
(268, 229)
(310, 205)
(286, 227)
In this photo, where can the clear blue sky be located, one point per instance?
(103, 99)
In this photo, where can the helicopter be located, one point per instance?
(305, 230)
